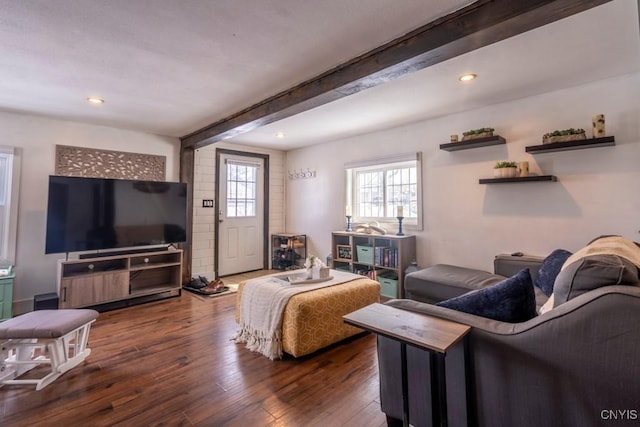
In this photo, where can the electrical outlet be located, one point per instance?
(207, 203)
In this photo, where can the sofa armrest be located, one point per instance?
(504, 328)
(453, 315)
(507, 265)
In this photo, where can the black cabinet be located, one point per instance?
(288, 251)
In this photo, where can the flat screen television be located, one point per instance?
(85, 214)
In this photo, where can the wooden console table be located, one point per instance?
(433, 334)
(118, 280)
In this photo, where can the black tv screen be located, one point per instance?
(85, 214)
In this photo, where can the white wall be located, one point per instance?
(466, 223)
(204, 188)
(36, 138)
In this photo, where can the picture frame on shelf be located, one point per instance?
(344, 252)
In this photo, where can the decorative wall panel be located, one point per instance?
(94, 163)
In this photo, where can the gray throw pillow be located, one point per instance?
(593, 272)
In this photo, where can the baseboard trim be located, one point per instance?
(22, 306)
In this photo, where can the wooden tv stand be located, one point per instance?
(121, 278)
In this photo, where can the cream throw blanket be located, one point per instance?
(262, 308)
(613, 245)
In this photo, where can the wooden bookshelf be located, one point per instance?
(380, 257)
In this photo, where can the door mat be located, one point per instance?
(230, 288)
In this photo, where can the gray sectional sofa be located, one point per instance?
(442, 281)
(576, 365)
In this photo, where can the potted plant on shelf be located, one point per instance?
(505, 170)
(477, 133)
(565, 135)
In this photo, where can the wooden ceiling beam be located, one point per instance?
(479, 24)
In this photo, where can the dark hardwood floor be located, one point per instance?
(171, 363)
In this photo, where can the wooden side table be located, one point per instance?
(433, 334)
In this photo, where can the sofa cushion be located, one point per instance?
(443, 281)
(605, 261)
(592, 272)
(541, 298)
(549, 270)
(512, 300)
(547, 306)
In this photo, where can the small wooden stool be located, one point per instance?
(59, 335)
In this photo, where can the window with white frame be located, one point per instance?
(8, 203)
(383, 189)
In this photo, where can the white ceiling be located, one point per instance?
(171, 67)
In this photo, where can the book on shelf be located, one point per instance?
(369, 272)
(386, 256)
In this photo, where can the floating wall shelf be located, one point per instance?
(530, 178)
(473, 143)
(606, 141)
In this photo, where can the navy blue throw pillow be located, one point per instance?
(550, 269)
(512, 300)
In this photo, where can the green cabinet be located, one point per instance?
(6, 297)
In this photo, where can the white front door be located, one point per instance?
(241, 214)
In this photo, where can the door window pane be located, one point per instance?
(241, 190)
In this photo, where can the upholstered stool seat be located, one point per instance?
(51, 337)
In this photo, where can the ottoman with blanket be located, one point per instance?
(302, 318)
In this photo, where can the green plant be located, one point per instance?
(500, 165)
(570, 131)
(477, 131)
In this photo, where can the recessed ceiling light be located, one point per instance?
(95, 100)
(280, 135)
(467, 77)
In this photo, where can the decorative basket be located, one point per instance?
(563, 138)
(505, 172)
(476, 135)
